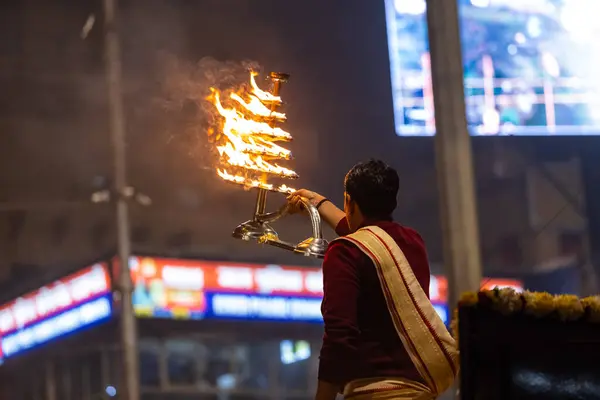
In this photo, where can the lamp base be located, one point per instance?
(264, 233)
(254, 230)
(312, 247)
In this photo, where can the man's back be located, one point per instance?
(370, 338)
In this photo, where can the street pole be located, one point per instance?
(454, 164)
(50, 381)
(129, 348)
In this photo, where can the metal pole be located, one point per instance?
(462, 258)
(50, 381)
(261, 197)
(129, 348)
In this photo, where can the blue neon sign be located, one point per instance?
(264, 307)
(83, 315)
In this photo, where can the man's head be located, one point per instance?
(371, 189)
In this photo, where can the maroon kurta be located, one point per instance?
(360, 339)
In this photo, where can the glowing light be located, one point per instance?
(111, 391)
(410, 7)
(67, 322)
(246, 137)
(480, 3)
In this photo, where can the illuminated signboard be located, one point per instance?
(442, 311)
(170, 288)
(264, 307)
(62, 307)
(438, 287)
(530, 66)
(194, 290)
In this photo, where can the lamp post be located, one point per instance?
(454, 164)
(129, 347)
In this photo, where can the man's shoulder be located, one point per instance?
(413, 233)
(402, 233)
(343, 248)
(342, 244)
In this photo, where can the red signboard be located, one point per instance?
(54, 298)
(180, 283)
(438, 289)
(228, 277)
(438, 286)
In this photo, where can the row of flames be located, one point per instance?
(246, 137)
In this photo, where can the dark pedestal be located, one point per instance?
(525, 358)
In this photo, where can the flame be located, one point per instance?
(253, 183)
(247, 136)
(261, 94)
(252, 162)
(237, 122)
(255, 106)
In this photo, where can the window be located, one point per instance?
(149, 363)
(111, 366)
(570, 244)
(296, 364)
(181, 361)
(254, 362)
(241, 366)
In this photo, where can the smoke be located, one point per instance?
(192, 81)
(183, 101)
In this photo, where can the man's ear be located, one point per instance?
(351, 204)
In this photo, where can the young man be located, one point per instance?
(383, 338)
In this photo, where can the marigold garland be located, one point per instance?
(507, 301)
(538, 304)
(568, 307)
(592, 308)
(454, 323)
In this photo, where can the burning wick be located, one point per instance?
(246, 138)
(254, 183)
(262, 95)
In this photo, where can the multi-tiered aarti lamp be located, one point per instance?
(247, 138)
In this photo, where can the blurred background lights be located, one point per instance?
(111, 391)
(480, 3)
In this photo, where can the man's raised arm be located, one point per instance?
(328, 211)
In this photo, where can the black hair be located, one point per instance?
(373, 185)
